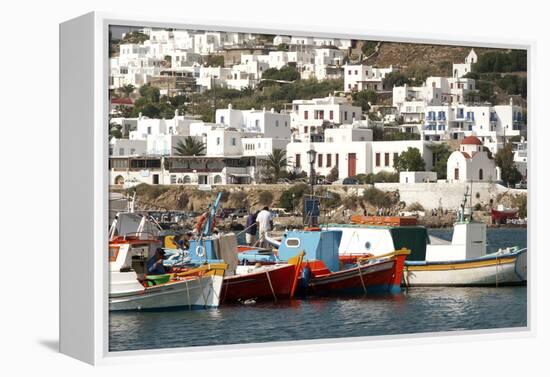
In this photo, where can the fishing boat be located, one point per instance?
(324, 274)
(433, 261)
(246, 278)
(133, 240)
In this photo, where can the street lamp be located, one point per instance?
(311, 155)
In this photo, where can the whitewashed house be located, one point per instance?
(461, 69)
(351, 150)
(309, 116)
(365, 77)
(213, 76)
(471, 163)
(184, 58)
(491, 124)
(411, 101)
(163, 144)
(279, 39)
(269, 124)
(126, 147)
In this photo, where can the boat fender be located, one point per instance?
(305, 277)
(200, 251)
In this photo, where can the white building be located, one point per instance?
(279, 39)
(411, 101)
(184, 58)
(520, 156)
(126, 147)
(351, 150)
(471, 163)
(309, 116)
(461, 69)
(213, 76)
(269, 124)
(417, 176)
(364, 77)
(163, 145)
(491, 124)
(144, 126)
(190, 170)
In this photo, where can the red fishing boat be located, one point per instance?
(323, 273)
(262, 282)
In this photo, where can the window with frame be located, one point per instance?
(377, 159)
(386, 159)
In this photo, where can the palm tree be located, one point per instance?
(190, 147)
(127, 90)
(276, 162)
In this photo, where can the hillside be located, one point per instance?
(407, 55)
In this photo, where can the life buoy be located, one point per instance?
(200, 251)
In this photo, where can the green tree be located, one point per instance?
(168, 60)
(215, 61)
(283, 47)
(363, 98)
(135, 37)
(395, 79)
(276, 163)
(410, 160)
(293, 196)
(441, 153)
(190, 147)
(333, 174)
(505, 161)
(149, 92)
(286, 73)
(127, 90)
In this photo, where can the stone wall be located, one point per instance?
(442, 194)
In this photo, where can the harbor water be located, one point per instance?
(416, 310)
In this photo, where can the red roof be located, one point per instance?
(471, 140)
(122, 101)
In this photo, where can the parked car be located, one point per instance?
(350, 181)
(521, 185)
(281, 212)
(239, 212)
(283, 181)
(226, 212)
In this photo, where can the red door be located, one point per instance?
(351, 164)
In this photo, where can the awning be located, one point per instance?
(240, 175)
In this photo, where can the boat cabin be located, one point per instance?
(319, 245)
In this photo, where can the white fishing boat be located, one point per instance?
(133, 240)
(433, 261)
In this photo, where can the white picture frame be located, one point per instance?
(83, 143)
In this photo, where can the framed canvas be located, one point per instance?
(252, 187)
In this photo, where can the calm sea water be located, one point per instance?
(417, 310)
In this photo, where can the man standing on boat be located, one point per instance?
(251, 228)
(265, 223)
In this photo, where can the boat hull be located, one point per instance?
(270, 283)
(489, 271)
(191, 293)
(380, 277)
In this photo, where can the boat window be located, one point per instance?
(113, 253)
(292, 242)
(367, 245)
